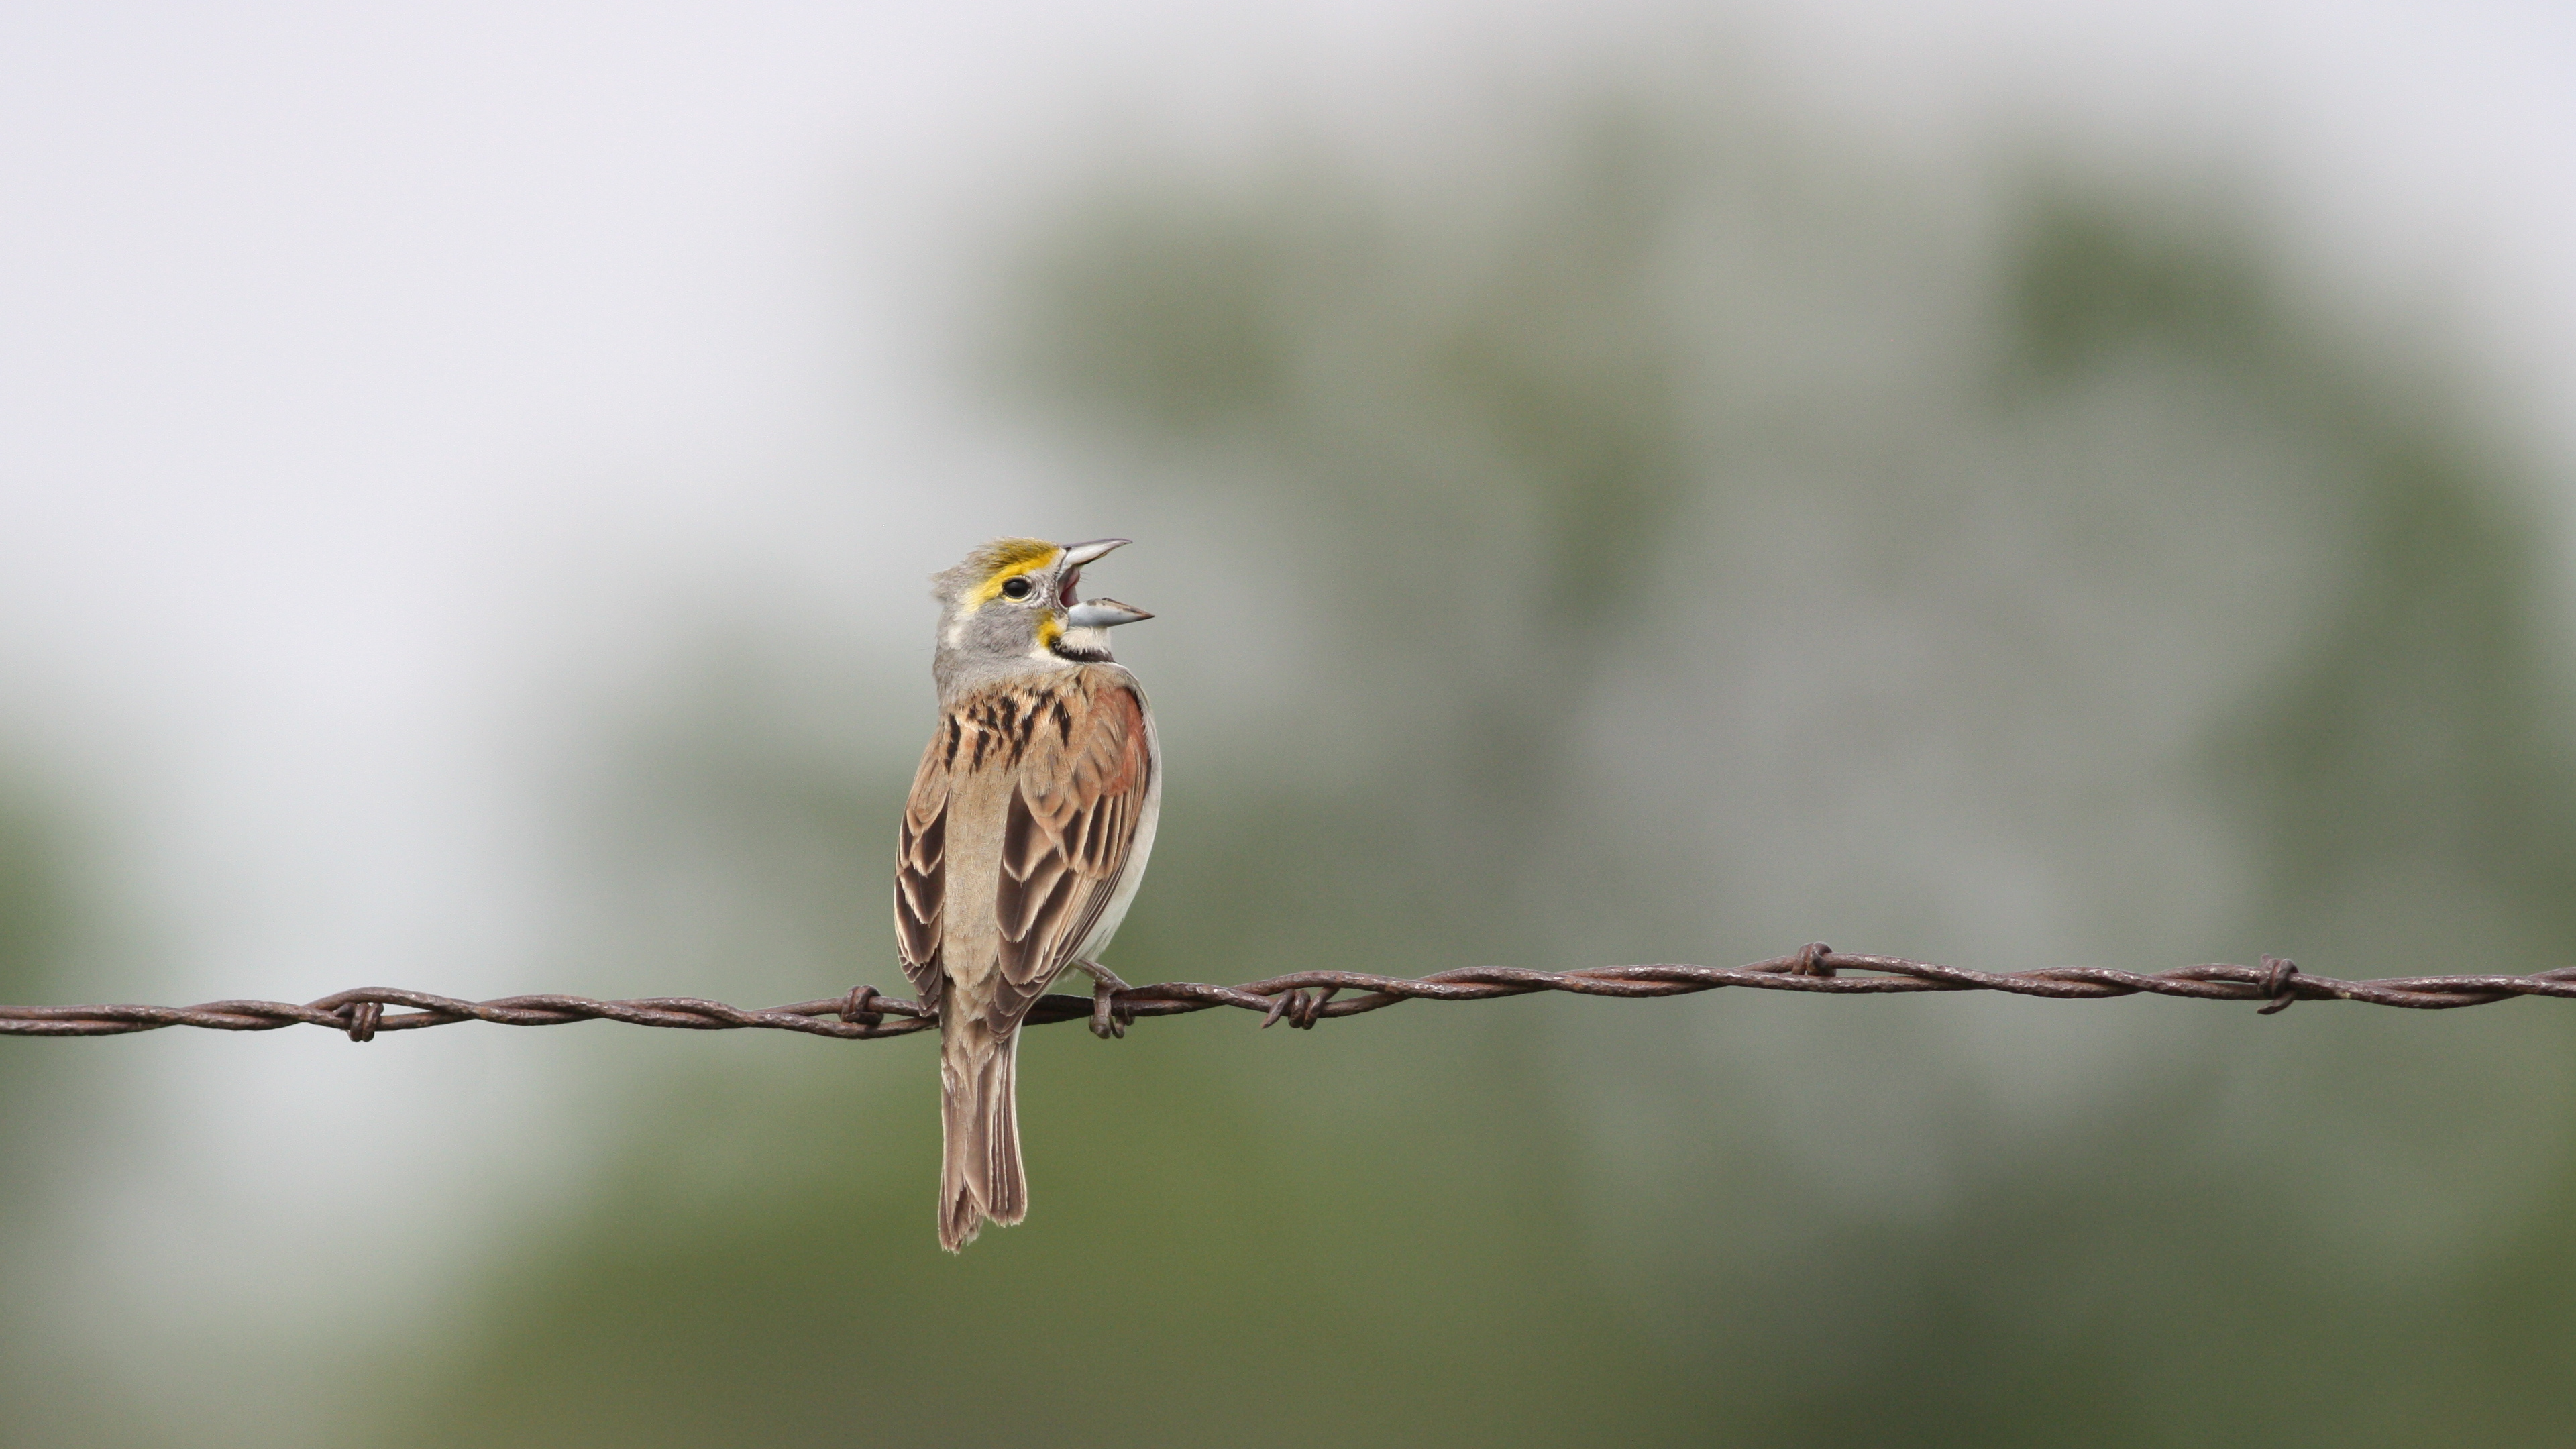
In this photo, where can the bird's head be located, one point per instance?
(1012, 602)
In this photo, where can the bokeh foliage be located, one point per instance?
(1659, 539)
(48, 918)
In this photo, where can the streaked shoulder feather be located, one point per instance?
(1070, 752)
(921, 859)
(1071, 827)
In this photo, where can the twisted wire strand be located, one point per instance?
(1301, 998)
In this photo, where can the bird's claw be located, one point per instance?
(1109, 1016)
(1108, 1019)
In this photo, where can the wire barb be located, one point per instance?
(1301, 998)
(854, 1007)
(2280, 982)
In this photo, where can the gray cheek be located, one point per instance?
(1002, 628)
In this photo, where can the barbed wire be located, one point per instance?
(1300, 998)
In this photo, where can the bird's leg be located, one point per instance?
(1108, 1018)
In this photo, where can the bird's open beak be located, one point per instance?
(1102, 613)
(1069, 568)
(1078, 554)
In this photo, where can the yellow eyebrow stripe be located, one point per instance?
(1008, 559)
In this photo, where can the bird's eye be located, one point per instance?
(1016, 587)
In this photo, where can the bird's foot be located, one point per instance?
(1108, 1018)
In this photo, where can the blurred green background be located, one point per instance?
(1649, 530)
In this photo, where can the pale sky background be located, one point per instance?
(373, 382)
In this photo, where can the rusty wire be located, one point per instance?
(1301, 998)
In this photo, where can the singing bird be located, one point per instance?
(1023, 841)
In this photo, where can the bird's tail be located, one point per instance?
(979, 1165)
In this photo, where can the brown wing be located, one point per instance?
(1066, 836)
(920, 867)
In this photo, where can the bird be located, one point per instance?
(1023, 841)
